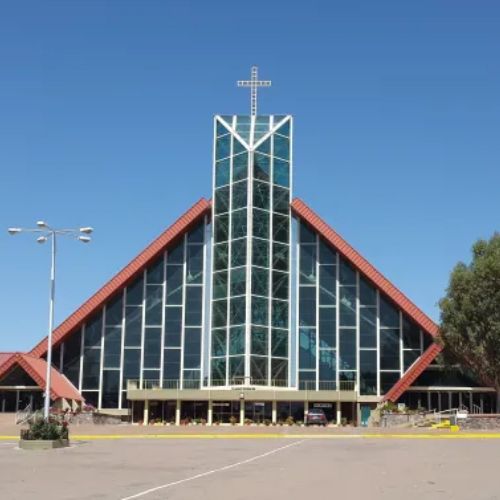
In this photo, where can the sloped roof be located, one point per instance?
(36, 368)
(301, 210)
(4, 356)
(127, 274)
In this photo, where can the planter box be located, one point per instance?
(39, 444)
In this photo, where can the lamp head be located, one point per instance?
(41, 239)
(14, 230)
(84, 239)
(41, 224)
(86, 230)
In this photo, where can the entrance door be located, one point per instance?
(365, 415)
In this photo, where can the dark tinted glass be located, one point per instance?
(173, 326)
(193, 306)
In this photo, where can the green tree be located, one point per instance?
(470, 314)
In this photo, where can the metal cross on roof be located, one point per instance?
(253, 83)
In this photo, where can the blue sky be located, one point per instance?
(106, 120)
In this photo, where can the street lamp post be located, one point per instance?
(47, 232)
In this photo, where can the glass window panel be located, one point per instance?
(133, 325)
(221, 203)
(281, 147)
(71, 361)
(261, 195)
(306, 234)
(91, 368)
(220, 285)
(411, 334)
(238, 147)
(327, 327)
(154, 273)
(176, 255)
(280, 314)
(281, 200)
(131, 365)
(265, 147)
(223, 146)
(221, 228)
(194, 265)
(194, 298)
(221, 129)
(387, 380)
(367, 293)
(237, 340)
(409, 357)
(368, 372)
(220, 256)
(307, 348)
(239, 252)
(261, 224)
(279, 343)
(218, 371)
(219, 313)
(239, 195)
(347, 353)
(259, 341)
(279, 372)
(171, 365)
(327, 254)
(135, 292)
(238, 312)
(280, 228)
(280, 256)
(219, 342)
(173, 326)
(110, 388)
(347, 306)
(152, 347)
(258, 370)
(389, 315)
(327, 365)
(114, 311)
(260, 281)
(240, 167)
(112, 346)
(347, 274)
(307, 306)
(236, 367)
(281, 172)
(222, 172)
(174, 284)
(239, 224)
(260, 252)
(154, 304)
(93, 332)
(238, 281)
(192, 347)
(389, 349)
(197, 235)
(308, 264)
(307, 380)
(327, 285)
(261, 167)
(368, 327)
(260, 313)
(280, 285)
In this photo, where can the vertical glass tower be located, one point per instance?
(250, 329)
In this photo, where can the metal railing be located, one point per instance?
(22, 416)
(308, 385)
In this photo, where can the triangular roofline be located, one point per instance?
(126, 275)
(302, 211)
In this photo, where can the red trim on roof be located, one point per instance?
(128, 273)
(413, 373)
(4, 356)
(36, 368)
(360, 263)
(301, 210)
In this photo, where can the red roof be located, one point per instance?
(4, 356)
(127, 274)
(36, 368)
(302, 211)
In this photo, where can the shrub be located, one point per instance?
(267, 422)
(289, 420)
(233, 420)
(42, 429)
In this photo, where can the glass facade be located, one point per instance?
(151, 331)
(349, 333)
(251, 251)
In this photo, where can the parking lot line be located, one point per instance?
(210, 472)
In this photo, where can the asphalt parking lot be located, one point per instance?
(264, 468)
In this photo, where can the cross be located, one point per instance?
(253, 83)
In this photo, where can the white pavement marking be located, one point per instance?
(7, 444)
(210, 472)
